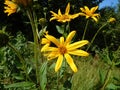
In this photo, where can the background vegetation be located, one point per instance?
(94, 71)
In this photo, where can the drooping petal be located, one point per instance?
(69, 37)
(53, 39)
(78, 52)
(58, 63)
(76, 45)
(67, 10)
(71, 62)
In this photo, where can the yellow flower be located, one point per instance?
(66, 17)
(10, 7)
(111, 20)
(64, 48)
(90, 13)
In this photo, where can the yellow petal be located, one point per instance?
(69, 37)
(71, 62)
(62, 40)
(59, 12)
(52, 55)
(58, 63)
(93, 9)
(53, 13)
(82, 9)
(74, 16)
(82, 14)
(86, 9)
(53, 39)
(76, 45)
(94, 18)
(53, 18)
(67, 10)
(45, 47)
(78, 52)
(44, 41)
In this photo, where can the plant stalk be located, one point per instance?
(85, 30)
(96, 35)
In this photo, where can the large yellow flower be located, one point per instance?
(64, 48)
(10, 7)
(66, 17)
(90, 13)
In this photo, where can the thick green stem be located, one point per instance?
(96, 35)
(85, 30)
(32, 18)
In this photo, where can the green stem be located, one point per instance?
(32, 19)
(96, 35)
(85, 30)
(58, 80)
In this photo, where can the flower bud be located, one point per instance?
(111, 20)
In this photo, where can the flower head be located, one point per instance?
(10, 7)
(90, 13)
(66, 17)
(64, 48)
(111, 20)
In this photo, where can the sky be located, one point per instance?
(112, 3)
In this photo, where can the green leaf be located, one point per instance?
(20, 84)
(43, 75)
(102, 76)
(60, 29)
(113, 86)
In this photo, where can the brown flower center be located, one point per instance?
(62, 49)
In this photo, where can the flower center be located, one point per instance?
(64, 17)
(62, 49)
